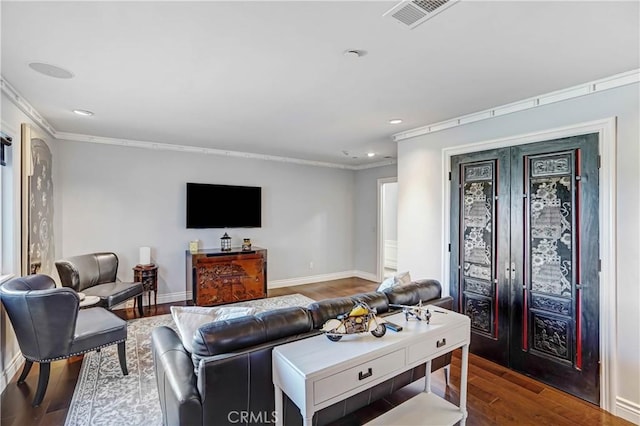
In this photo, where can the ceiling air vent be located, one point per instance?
(415, 12)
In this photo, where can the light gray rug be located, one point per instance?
(103, 396)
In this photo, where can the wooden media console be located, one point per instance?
(217, 277)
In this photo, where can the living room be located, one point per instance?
(116, 190)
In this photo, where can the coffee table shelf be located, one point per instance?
(424, 409)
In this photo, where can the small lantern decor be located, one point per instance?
(246, 244)
(225, 242)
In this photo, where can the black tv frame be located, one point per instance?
(215, 206)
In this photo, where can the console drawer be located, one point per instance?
(440, 343)
(351, 378)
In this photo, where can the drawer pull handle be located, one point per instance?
(362, 376)
(441, 343)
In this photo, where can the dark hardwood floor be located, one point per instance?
(496, 395)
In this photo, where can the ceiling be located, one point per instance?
(271, 78)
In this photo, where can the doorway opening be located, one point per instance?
(387, 227)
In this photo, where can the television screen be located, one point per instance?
(223, 206)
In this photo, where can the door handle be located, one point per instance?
(510, 270)
(441, 343)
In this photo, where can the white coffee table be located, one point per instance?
(316, 373)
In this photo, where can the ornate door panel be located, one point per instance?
(482, 238)
(555, 320)
(544, 264)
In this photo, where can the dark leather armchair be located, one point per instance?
(95, 274)
(50, 326)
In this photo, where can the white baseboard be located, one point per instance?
(177, 296)
(11, 370)
(180, 296)
(365, 275)
(323, 277)
(628, 410)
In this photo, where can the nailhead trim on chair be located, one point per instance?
(77, 353)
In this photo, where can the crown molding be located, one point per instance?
(25, 106)
(387, 162)
(63, 136)
(32, 113)
(594, 86)
(606, 83)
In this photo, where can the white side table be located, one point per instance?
(89, 301)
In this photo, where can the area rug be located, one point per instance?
(103, 396)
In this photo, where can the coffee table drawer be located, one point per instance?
(346, 380)
(428, 347)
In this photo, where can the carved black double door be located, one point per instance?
(525, 261)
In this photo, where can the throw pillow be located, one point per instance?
(403, 278)
(189, 318)
(388, 283)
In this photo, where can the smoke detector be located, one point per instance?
(412, 13)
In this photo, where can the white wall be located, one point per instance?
(120, 198)
(421, 181)
(12, 118)
(365, 249)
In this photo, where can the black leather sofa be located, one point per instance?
(230, 371)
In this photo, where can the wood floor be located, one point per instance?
(496, 395)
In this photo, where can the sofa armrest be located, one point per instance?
(176, 380)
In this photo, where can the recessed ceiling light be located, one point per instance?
(83, 112)
(50, 70)
(371, 154)
(395, 121)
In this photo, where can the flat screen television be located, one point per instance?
(223, 206)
